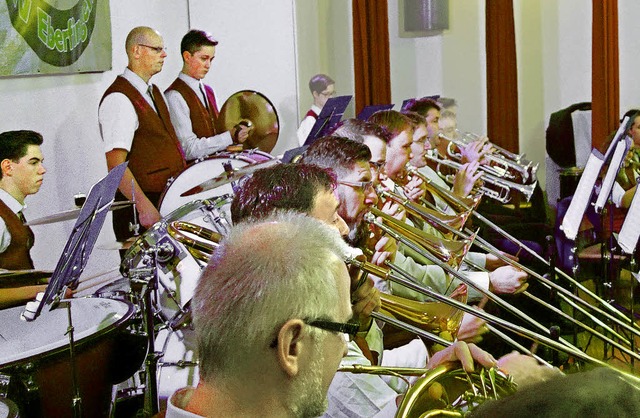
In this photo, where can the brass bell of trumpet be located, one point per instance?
(494, 187)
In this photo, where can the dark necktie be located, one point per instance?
(153, 100)
(204, 94)
(21, 217)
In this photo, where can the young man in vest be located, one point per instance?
(192, 104)
(136, 127)
(21, 173)
(322, 89)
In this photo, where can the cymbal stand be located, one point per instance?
(145, 280)
(76, 400)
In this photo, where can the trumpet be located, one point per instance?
(502, 188)
(513, 166)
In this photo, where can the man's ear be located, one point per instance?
(290, 346)
(185, 56)
(5, 166)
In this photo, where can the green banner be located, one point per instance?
(57, 34)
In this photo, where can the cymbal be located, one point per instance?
(118, 245)
(252, 109)
(68, 215)
(228, 177)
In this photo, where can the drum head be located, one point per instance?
(47, 333)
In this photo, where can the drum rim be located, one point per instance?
(224, 154)
(78, 343)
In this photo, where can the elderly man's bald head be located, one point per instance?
(140, 35)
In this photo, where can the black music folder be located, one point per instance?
(329, 116)
(371, 109)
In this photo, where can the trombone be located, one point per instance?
(461, 203)
(566, 295)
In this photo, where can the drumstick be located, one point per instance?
(84, 284)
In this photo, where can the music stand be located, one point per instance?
(371, 109)
(407, 102)
(330, 115)
(82, 239)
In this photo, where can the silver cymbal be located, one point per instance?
(68, 215)
(229, 177)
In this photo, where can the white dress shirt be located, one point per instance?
(117, 116)
(306, 125)
(193, 146)
(15, 206)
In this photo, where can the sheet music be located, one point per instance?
(612, 172)
(630, 231)
(622, 129)
(575, 212)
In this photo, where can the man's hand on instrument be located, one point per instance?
(508, 280)
(240, 133)
(415, 189)
(364, 300)
(394, 209)
(493, 262)
(472, 328)
(476, 150)
(385, 249)
(465, 353)
(466, 178)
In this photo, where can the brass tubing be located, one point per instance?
(398, 237)
(564, 293)
(407, 280)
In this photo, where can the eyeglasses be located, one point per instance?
(328, 94)
(377, 165)
(158, 49)
(350, 329)
(362, 185)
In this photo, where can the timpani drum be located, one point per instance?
(36, 356)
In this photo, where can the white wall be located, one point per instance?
(256, 52)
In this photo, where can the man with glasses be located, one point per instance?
(309, 189)
(270, 311)
(193, 104)
(322, 88)
(136, 127)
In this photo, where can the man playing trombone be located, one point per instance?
(309, 189)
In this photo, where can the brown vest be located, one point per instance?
(16, 256)
(202, 120)
(156, 154)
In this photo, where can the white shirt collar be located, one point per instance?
(11, 201)
(136, 81)
(191, 82)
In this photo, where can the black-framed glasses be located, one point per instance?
(362, 185)
(328, 94)
(158, 49)
(348, 328)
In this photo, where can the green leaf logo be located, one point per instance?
(58, 37)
